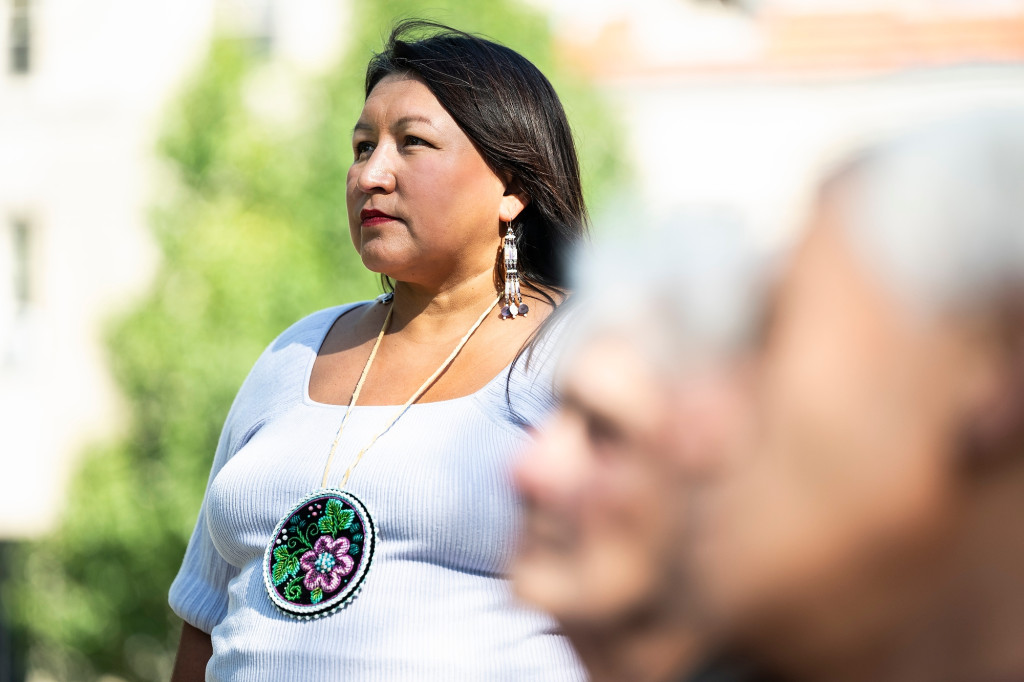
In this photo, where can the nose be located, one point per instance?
(551, 468)
(377, 174)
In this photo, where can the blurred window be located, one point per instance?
(22, 256)
(19, 295)
(252, 21)
(20, 37)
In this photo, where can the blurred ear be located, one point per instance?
(994, 428)
(513, 202)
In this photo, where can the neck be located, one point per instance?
(658, 649)
(430, 311)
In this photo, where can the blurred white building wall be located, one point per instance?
(756, 149)
(724, 109)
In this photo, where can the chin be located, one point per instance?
(543, 585)
(559, 592)
(380, 263)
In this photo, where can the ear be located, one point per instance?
(513, 202)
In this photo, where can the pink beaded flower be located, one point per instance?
(326, 564)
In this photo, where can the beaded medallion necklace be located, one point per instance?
(319, 555)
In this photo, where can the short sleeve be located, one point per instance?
(199, 593)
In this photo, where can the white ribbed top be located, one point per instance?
(435, 604)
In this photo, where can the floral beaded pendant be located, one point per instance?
(319, 554)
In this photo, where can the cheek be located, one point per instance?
(453, 192)
(858, 442)
(849, 486)
(353, 203)
(628, 496)
(629, 520)
(351, 188)
(827, 408)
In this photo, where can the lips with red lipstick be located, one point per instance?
(369, 217)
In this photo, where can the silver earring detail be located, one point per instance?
(514, 305)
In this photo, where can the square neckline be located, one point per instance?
(317, 346)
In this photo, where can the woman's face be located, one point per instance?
(423, 205)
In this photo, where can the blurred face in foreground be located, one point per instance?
(829, 535)
(601, 513)
(606, 484)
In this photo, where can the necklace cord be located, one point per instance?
(415, 396)
(355, 394)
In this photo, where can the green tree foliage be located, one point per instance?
(253, 235)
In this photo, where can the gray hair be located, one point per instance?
(680, 292)
(939, 213)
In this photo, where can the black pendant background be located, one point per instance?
(328, 513)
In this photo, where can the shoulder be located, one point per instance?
(310, 330)
(297, 345)
(278, 378)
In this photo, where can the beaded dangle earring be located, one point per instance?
(514, 305)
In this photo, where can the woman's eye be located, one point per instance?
(412, 140)
(364, 149)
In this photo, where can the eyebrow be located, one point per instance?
(405, 120)
(572, 400)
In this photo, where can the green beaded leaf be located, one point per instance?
(279, 574)
(316, 596)
(353, 549)
(284, 570)
(285, 565)
(335, 519)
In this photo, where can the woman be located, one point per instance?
(359, 513)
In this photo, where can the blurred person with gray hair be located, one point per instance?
(873, 531)
(650, 372)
